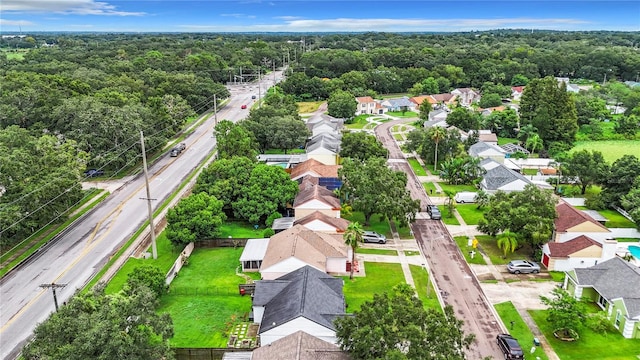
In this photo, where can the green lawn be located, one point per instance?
(457, 188)
(240, 230)
(462, 242)
(377, 225)
(380, 277)
(502, 141)
(611, 346)
(376, 251)
(612, 150)
(421, 281)
(308, 106)
(358, 122)
(404, 232)
(417, 168)
(400, 114)
(616, 220)
(429, 188)
(519, 329)
(628, 239)
(488, 245)
(530, 171)
(204, 320)
(448, 219)
(557, 276)
(470, 213)
(398, 137)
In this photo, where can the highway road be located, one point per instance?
(87, 245)
(453, 277)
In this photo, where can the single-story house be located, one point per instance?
(500, 178)
(303, 299)
(300, 346)
(438, 115)
(253, 253)
(487, 150)
(319, 221)
(572, 223)
(313, 198)
(488, 111)
(486, 136)
(398, 104)
(298, 246)
(580, 252)
(466, 96)
(614, 285)
(314, 168)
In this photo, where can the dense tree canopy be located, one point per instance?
(422, 141)
(586, 168)
(620, 179)
(342, 105)
(361, 146)
(395, 325)
(234, 140)
(196, 217)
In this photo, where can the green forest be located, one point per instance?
(70, 102)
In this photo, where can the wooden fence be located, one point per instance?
(205, 354)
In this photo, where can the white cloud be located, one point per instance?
(5, 22)
(74, 7)
(293, 24)
(239, 16)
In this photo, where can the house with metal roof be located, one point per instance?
(613, 285)
(304, 299)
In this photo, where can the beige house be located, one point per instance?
(321, 222)
(312, 198)
(314, 168)
(580, 252)
(298, 246)
(572, 223)
(300, 346)
(367, 105)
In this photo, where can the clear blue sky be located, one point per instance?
(314, 16)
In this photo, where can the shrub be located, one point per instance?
(268, 232)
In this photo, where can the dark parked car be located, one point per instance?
(523, 267)
(253, 96)
(509, 347)
(178, 149)
(93, 173)
(434, 212)
(373, 237)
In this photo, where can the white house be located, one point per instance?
(487, 150)
(500, 178)
(324, 148)
(466, 96)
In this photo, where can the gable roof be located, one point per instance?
(300, 346)
(316, 192)
(485, 148)
(614, 279)
(364, 99)
(316, 167)
(499, 176)
(569, 216)
(324, 140)
(399, 102)
(572, 246)
(305, 292)
(339, 223)
(517, 89)
(309, 246)
(418, 99)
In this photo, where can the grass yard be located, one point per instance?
(205, 320)
(380, 278)
(470, 213)
(557, 276)
(398, 137)
(530, 171)
(488, 245)
(377, 225)
(462, 242)
(429, 188)
(628, 240)
(502, 141)
(417, 168)
(376, 251)
(308, 106)
(240, 229)
(611, 346)
(421, 280)
(616, 220)
(167, 255)
(400, 114)
(404, 232)
(359, 122)
(448, 219)
(612, 150)
(457, 188)
(575, 190)
(519, 329)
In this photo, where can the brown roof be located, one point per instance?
(517, 88)
(311, 247)
(568, 217)
(316, 192)
(418, 99)
(300, 346)
(446, 97)
(314, 166)
(488, 137)
(364, 99)
(548, 171)
(567, 248)
(339, 223)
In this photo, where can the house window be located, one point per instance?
(617, 322)
(602, 302)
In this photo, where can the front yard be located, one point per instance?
(518, 329)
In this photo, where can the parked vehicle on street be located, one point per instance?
(253, 97)
(373, 237)
(243, 106)
(434, 212)
(523, 267)
(465, 197)
(93, 173)
(509, 347)
(178, 149)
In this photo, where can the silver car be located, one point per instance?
(373, 237)
(523, 267)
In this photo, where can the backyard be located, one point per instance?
(612, 150)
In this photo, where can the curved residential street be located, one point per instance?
(453, 279)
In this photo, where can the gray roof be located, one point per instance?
(399, 102)
(500, 176)
(480, 146)
(326, 141)
(254, 249)
(283, 223)
(614, 279)
(305, 292)
(300, 346)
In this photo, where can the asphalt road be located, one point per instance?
(87, 245)
(457, 284)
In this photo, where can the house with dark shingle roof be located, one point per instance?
(305, 299)
(300, 346)
(614, 285)
(298, 246)
(397, 104)
(324, 147)
(580, 252)
(500, 178)
(572, 223)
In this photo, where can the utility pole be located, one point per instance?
(53, 287)
(215, 110)
(154, 250)
(259, 89)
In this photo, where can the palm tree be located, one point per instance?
(525, 132)
(481, 199)
(353, 237)
(437, 133)
(507, 241)
(534, 142)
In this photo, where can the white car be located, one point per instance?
(465, 197)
